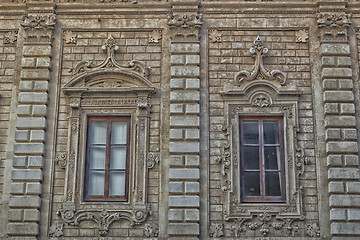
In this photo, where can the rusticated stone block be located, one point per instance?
(184, 201)
(345, 200)
(192, 83)
(187, 95)
(185, 121)
(192, 187)
(22, 135)
(19, 161)
(36, 162)
(28, 62)
(336, 187)
(185, 71)
(344, 173)
(176, 215)
(192, 215)
(177, 83)
(24, 110)
(344, 61)
(176, 134)
(341, 147)
(337, 214)
(32, 215)
(184, 147)
(336, 72)
(25, 202)
(345, 228)
(177, 161)
(37, 50)
(353, 187)
(338, 96)
(192, 160)
(340, 121)
(335, 49)
(27, 174)
(29, 148)
(17, 188)
(34, 74)
(183, 229)
(176, 187)
(22, 229)
(27, 97)
(33, 188)
(351, 160)
(184, 174)
(176, 108)
(31, 123)
(15, 215)
(178, 59)
(185, 48)
(354, 214)
(43, 62)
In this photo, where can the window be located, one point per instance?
(107, 159)
(262, 159)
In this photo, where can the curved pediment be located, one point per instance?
(109, 76)
(108, 80)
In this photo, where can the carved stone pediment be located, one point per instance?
(109, 76)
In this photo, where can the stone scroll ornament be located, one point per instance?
(110, 47)
(259, 72)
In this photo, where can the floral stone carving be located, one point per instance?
(185, 26)
(151, 230)
(103, 218)
(155, 36)
(39, 27)
(215, 36)
(216, 230)
(259, 71)
(302, 35)
(56, 230)
(69, 37)
(10, 37)
(334, 25)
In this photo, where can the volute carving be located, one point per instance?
(259, 72)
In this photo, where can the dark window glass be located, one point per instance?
(107, 159)
(262, 161)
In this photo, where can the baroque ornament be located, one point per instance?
(313, 230)
(110, 63)
(152, 160)
(261, 100)
(69, 36)
(10, 37)
(35, 23)
(151, 230)
(185, 26)
(302, 35)
(155, 36)
(334, 25)
(215, 36)
(259, 71)
(56, 230)
(216, 230)
(61, 160)
(103, 218)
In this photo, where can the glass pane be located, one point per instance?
(118, 157)
(118, 132)
(97, 157)
(117, 184)
(251, 132)
(272, 184)
(272, 157)
(271, 132)
(251, 157)
(98, 132)
(252, 184)
(96, 183)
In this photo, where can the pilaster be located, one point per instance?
(29, 147)
(184, 172)
(340, 123)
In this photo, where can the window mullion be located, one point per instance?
(262, 159)
(108, 150)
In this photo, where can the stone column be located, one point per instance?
(28, 161)
(340, 125)
(184, 170)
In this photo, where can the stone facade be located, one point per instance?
(184, 72)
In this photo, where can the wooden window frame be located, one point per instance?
(106, 197)
(263, 198)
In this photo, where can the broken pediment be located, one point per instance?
(109, 76)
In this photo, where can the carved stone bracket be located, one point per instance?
(39, 27)
(10, 37)
(333, 26)
(155, 36)
(185, 26)
(103, 218)
(152, 160)
(259, 71)
(300, 158)
(69, 36)
(61, 160)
